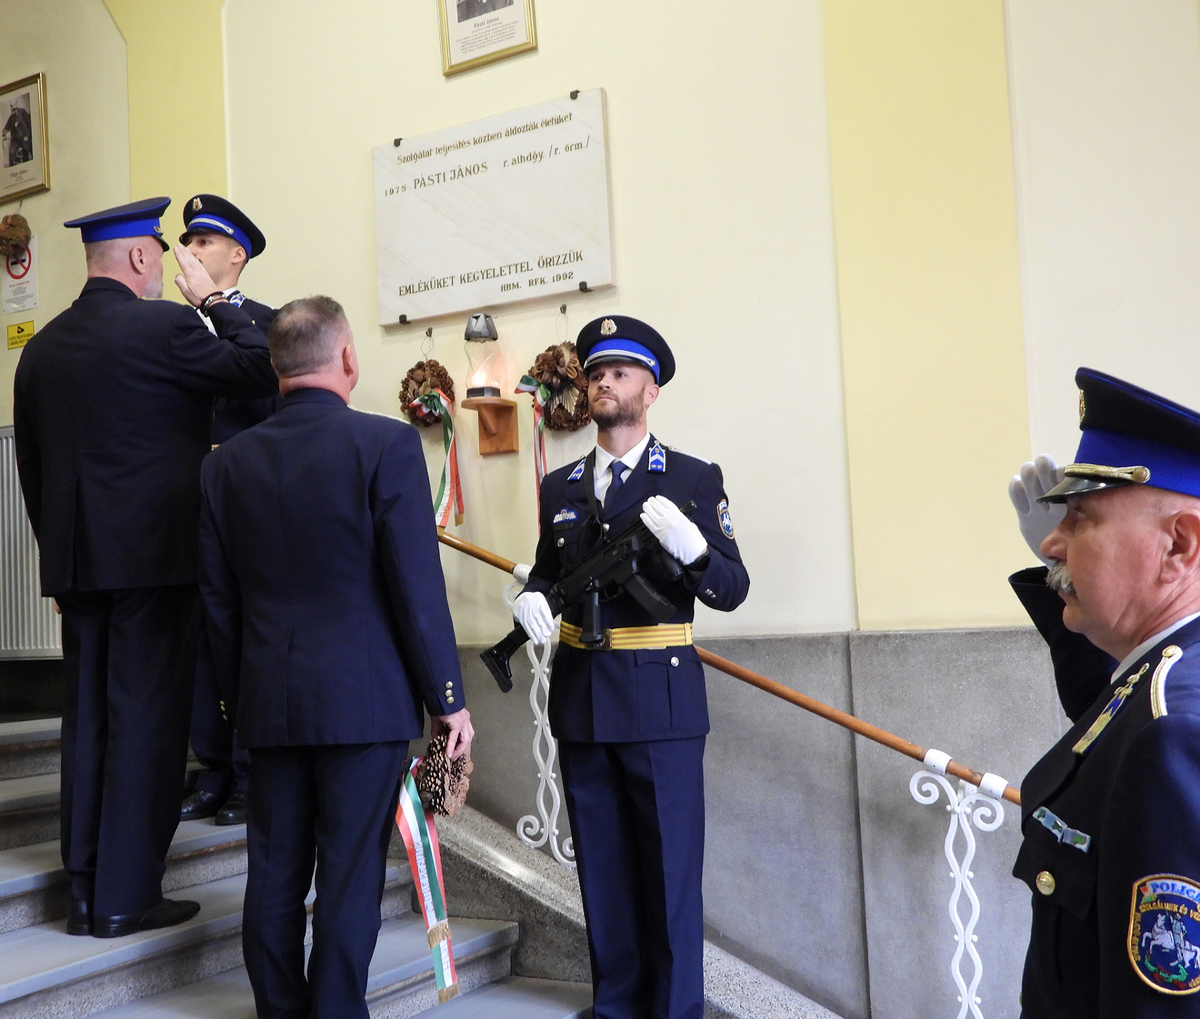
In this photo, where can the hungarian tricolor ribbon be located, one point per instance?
(419, 831)
(449, 494)
(541, 395)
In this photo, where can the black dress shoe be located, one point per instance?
(167, 913)
(234, 811)
(199, 804)
(79, 917)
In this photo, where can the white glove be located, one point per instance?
(1037, 519)
(532, 611)
(675, 532)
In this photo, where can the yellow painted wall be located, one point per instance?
(77, 46)
(176, 104)
(932, 349)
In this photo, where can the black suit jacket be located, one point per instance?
(321, 581)
(623, 696)
(112, 411)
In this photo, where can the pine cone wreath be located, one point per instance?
(423, 378)
(558, 369)
(14, 236)
(442, 783)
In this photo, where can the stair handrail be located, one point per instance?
(936, 760)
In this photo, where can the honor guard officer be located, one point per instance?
(1111, 814)
(223, 239)
(631, 718)
(112, 409)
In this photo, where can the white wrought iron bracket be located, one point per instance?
(968, 806)
(543, 829)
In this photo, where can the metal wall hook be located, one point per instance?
(574, 93)
(427, 344)
(584, 287)
(396, 142)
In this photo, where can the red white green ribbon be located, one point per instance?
(541, 395)
(449, 497)
(417, 826)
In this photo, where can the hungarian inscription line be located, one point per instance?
(497, 272)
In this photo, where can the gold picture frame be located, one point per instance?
(24, 140)
(478, 32)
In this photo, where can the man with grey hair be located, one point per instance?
(331, 635)
(112, 406)
(1111, 813)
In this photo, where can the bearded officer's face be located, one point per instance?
(619, 393)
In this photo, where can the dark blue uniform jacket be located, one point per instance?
(627, 696)
(233, 416)
(321, 582)
(113, 404)
(1136, 792)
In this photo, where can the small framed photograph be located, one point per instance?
(24, 144)
(476, 32)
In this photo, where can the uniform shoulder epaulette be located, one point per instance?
(577, 473)
(1158, 684)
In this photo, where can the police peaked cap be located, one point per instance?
(214, 214)
(621, 338)
(1130, 437)
(137, 219)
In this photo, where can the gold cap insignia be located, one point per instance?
(608, 327)
(157, 228)
(1082, 407)
(196, 206)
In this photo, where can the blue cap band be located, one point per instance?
(114, 228)
(207, 221)
(617, 349)
(1171, 468)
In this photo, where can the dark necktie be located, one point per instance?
(618, 479)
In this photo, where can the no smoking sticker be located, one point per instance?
(19, 283)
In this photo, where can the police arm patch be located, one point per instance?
(1164, 933)
(725, 518)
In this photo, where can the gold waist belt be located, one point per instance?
(631, 638)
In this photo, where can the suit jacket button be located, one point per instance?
(1045, 883)
(674, 661)
(561, 542)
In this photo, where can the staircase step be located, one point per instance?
(48, 974)
(400, 981)
(33, 885)
(29, 747)
(28, 810)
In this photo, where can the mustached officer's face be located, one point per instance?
(619, 393)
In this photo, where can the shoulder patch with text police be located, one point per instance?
(1164, 933)
(725, 518)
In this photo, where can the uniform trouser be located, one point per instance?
(225, 765)
(334, 805)
(129, 657)
(637, 819)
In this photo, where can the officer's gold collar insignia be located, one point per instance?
(1082, 406)
(1109, 712)
(608, 327)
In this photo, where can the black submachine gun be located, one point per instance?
(615, 562)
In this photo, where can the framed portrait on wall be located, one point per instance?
(24, 145)
(476, 32)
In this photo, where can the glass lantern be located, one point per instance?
(485, 360)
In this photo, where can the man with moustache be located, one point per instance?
(224, 240)
(631, 718)
(112, 407)
(1111, 814)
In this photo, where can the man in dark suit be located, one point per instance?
(112, 408)
(631, 718)
(223, 239)
(1111, 814)
(330, 632)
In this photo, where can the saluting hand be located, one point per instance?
(193, 281)
(1036, 519)
(459, 731)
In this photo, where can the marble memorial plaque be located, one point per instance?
(503, 209)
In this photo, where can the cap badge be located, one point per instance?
(608, 327)
(196, 206)
(157, 228)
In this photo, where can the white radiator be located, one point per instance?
(28, 623)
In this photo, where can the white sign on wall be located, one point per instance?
(502, 209)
